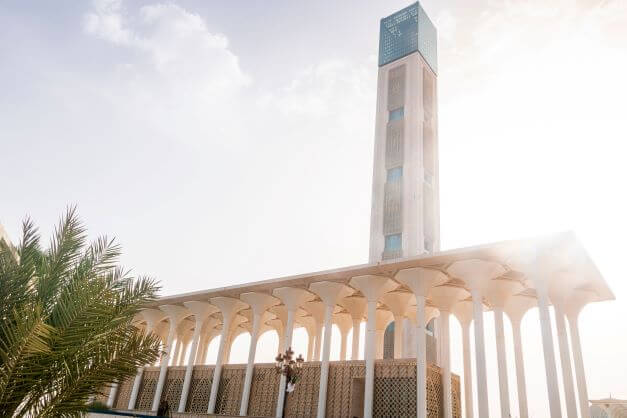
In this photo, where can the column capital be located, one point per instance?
(420, 280)
(330, 292)
(228, 307)
(500, 289)
(153, 317)
(463, 311)
(475, 273)
(316, 309)
(445, 296)
(398, 301)
(200, 310)
(517, 305)
(356, 306)
(430, 313)
(259, 302)
(373, 287)
(292, 297)
(175, 315)
(344, 322)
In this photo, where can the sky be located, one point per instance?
(228, 142)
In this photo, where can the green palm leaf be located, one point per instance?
(66, 331)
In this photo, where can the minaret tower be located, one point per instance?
(405, 216)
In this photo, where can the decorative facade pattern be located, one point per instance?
(198, 399)
(394, 390)
(173, 386)
(264, 391)
(230, 389)
(396, 87)
(303, 401)
(345, 380)
(124, 394)
(147, 388)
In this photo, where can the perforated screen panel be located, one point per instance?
(405, 32)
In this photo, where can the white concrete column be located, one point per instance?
(497, 292)
(258, 302)
(229, 307)
(567, 372)
(445, 297)
(421, 281)
(482, 379)
(516, 307)
(476, 273)
(311, 341)
(356, 306)
(201, 312)
(383, 319)
(398, 302)
(177, 351)
(292, 298)
(175, 316)
(549, 350)
(344, 323)
(372, 287)
(463, 312)
(152, 317)
(369, 356)
(318, 346)
(112, 394)
(355, 342)
(330, 293)
(278, 325)
(577, 300)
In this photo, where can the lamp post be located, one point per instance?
(289, 367)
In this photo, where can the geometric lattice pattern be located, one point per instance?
(173, 387)
(342, 378)
(264, 391)
(199, 390)
(405, 32)
(230, 390)
(394, 390)
(147, 389)
(303, 401)
(124, 394)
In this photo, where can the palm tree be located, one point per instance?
(66, 315)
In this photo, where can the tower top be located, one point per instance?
(405, 32)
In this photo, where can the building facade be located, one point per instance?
(405, 219)
(407, 283)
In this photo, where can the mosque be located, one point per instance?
(406, 294)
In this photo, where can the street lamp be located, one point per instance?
(290, 368)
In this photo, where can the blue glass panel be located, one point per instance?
(395, 174)
(405, 32)
(393, 242)
(397, 114)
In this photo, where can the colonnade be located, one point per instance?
(465, 288)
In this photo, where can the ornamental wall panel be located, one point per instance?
(394, 144)
(124, 394)
(173, 386)
(396, 87)
(392, 208)
(147, 389)
(264, 391)
(303, 401)
(230, 390)
(344, 381)
(199, 390)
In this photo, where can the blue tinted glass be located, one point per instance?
(397, 114)
(395, 174)
(393, 242)
(405, 32)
